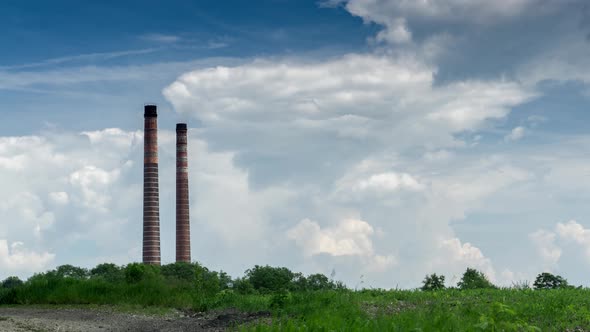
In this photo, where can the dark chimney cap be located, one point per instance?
(181, 126)
(150, 111)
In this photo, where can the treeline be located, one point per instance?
(185, 285)
(174, 285)
(474, 279)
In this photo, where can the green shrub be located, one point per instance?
(11, 282)
(108, 271)
(521, 285)
(474, 279)
(180, 271)
(70, 271)
(207, 282)
(225, 281)
(270, 279)
(319, 282)
(280, 299)
(433, 282)
(136, 272)
(547, 280)
(8, 296)
(243, 286)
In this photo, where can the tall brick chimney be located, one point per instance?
(183, 232)
(151, 201)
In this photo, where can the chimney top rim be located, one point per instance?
(151, 110)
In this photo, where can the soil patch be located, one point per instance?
(98, 320)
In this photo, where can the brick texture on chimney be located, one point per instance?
(183, 234)
(151, 200)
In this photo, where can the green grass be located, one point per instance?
(368, 310)
(326, 310)
(450, 310)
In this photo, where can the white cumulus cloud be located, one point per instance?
(516, 134)
(355, 96)
(350, 237)
(387, 182)
(544, 242)
(573, 231)
(17, 259)
(394, 14)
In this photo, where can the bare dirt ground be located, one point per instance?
(21, 319)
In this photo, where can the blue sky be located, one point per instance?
(64, 28)
(381, 138)
(69, 34)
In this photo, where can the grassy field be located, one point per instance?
(447, 310)
(311, 303)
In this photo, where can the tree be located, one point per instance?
(136, 272)
(70, 271)
(270, 279)
(179, 270)
(433, 282)
(207, 281)
(474, 279)
(319, 281)
(547, 280)
(8, 290)
(107, 271)
(11, 282)
(242, 286)
(225, 281)
(299, 282)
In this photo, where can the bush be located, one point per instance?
(108, 271)
(8, 296)
(207, 282)
(299, 282)
(319, 282)
(11, 282)
(521, 285)
(136, 272)
(433, 282)
(70, 271)
(180, 271)
(474, 279)
(547, 280)
(8, 290)
(280, 299)
(180, 285)
(225, 281)
(243, 286)
(270, 279)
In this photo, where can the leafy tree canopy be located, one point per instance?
(11, 282)
(433, 282)
(70, 271)
(547, 280)
(269, 279)
(474, 279)
(108, 271)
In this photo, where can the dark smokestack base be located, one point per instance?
(151, 111)
(181, 127)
